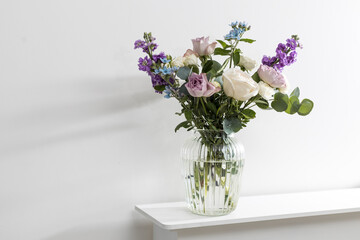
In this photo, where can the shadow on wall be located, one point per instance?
(101, 232)
(71, 111)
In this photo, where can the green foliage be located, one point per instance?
(305, 107)
(223, 44)
(295, 92)
(207, 66)
(236, 58)
(256, 77)
(249, 113)
(262, 103)
(159, 88)
(183, 72)
(247, 40)
(184, 124)
(221, 51)
(280, 102)
(294, 104)
(231, 125)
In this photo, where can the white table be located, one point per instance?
(173, 221)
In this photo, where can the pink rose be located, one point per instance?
(271, 76)
(202, 47)
(190, 52)
(199, 86)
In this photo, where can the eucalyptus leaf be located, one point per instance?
(183, 72)
(295, 92)
(219, 80)
(280, 102)
(294, 105)
(194, 68)
(231, 125)
(305, 107)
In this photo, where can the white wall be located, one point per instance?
(83, 138)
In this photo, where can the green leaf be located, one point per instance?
(220, 51)
(280, 102)
(183, 72)
(223, 44)
(221, 110)
(249, 113)
(295, 92)
(184, 124)
(194, 68)
(224, 65)
(247, 40)
(183, 90)
(188, 114)
(256, 77)
(236, 58)
(231, 125)
(211, 106)
(262, 103)
(294, 105)
(305, 107)
(207, 66)
(216, 66)
(159, 88)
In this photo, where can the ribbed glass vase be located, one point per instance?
(212, 164)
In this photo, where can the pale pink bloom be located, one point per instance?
(272, 77)
(199, 86)
(202, 46)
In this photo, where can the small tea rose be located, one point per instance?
(190, 60)
(202, 46)
(239, 85)
(178, 62)
(246, 62)
(199, 86)
(265, 90)
(272, 77)
(190, 52)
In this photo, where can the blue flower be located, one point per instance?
(243, 24)
(174, 68)
(165, 70)
(165, 60)
(167, 92)
(233, 24)
(157, 71)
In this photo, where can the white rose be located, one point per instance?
(248, 63)
(239, 85)
(265, 90)
(286, 88)
(190, 60)
(178, 62)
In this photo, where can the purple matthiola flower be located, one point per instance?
(157, 57)
(281, 48)
(291, 43)
(292, 57)
(145, 64)
(139, 44)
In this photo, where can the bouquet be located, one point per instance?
(221, 96)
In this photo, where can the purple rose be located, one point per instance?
(202, 46)
(199, 86)
(272, 77)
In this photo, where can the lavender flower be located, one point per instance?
(285, 54)
(139, 44)
(145, 64)
(157, 57)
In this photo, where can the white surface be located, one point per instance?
(175, 216)
(84, 138)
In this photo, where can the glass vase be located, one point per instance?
(212, 163)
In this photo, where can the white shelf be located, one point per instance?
(175, 215)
